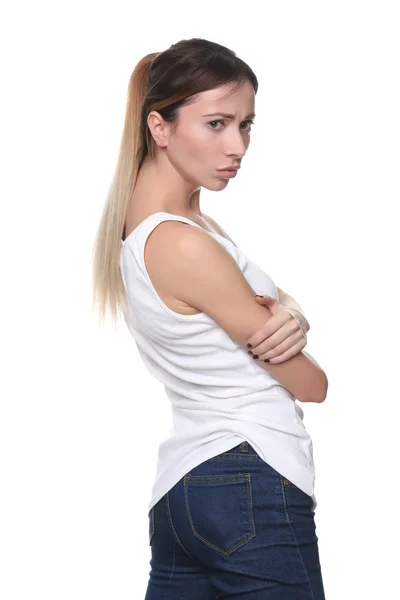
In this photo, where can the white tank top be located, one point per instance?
(219, 395)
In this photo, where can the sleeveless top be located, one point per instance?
(218, 393)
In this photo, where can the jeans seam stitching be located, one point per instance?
(223, 478)
(294, 532)
(288, 518)
(242, 456)
(152, 529)
(172, 526)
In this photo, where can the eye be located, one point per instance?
(215, 121)
(249, 122)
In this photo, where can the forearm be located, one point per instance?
(305, 379)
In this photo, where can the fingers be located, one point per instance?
(287, 349)
(300, 318)
(292, 351)
(273, 332)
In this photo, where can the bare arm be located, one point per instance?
(198, 270)
(284, 298)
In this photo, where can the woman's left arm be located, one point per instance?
(284, 334)
(276, 340)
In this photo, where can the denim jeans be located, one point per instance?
(233, 527)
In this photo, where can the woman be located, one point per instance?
(232, 508)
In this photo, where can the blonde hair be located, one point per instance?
(161, 81)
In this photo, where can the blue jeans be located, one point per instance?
(233, 527)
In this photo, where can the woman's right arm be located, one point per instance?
(189, 264)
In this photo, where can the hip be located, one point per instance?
(242, 525)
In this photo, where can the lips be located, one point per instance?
(228, 172)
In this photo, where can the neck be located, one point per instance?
(162, 189)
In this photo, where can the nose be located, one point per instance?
(236, 146)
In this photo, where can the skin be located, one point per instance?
(187, 159)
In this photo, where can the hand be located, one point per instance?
(283, 335)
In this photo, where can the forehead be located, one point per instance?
(226, 98)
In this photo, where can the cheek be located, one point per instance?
(198, 145)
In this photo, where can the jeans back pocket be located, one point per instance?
(220, 510)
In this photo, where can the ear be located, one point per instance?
(158, 128)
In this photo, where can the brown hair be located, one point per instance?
(161, 82)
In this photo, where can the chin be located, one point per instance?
(216, 185)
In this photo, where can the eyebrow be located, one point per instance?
(249, 116)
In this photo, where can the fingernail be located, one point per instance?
(258, 296)
(267, 360)
(249, 346)
(255, 356)
(250, 352)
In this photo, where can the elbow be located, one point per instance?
(319, 390)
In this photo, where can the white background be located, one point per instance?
(314, 205)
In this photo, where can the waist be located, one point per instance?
(276, 412)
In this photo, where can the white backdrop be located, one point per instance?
(81, 418)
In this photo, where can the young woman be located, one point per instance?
(232, 508)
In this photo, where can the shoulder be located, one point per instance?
(176, 250)
(173, 236)
(179, 252)
(174, 245)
